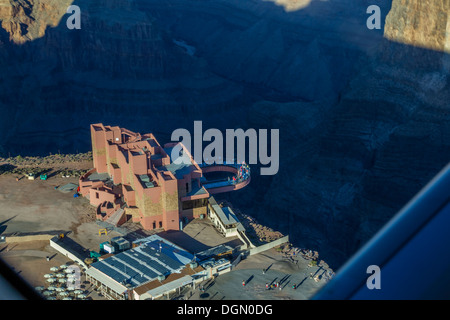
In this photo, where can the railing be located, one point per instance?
(240, 178)
(224, 163)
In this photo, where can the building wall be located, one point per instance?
(120, 153)
(194, 213)
(138, 163)
(171, 205)
(115, 173)
(149, 202)
(97, 196)
(98, 148)
(111, 158)
(86, 185)
(269, 245)
(129, 195)
(59, 246)
(134, 213)
(152, 222)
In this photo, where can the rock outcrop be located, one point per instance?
(420, 23)
(26, 20)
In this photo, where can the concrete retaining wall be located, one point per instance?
(269, 245)
(236, 261)
(39, 237)
(67, 253)
(247, 243)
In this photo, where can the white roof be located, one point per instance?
(226, 215)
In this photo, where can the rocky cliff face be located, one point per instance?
(424, 24)
(420, 23)
(363, 118)
(296, 49)
(27, 20)
(121, 68)
(348, 167)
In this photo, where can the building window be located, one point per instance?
(97, 195)
(190, 204)
(154, 225)
(160, 224)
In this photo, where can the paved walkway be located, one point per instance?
(229, 286)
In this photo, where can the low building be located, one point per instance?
(224, 219)
(215, 260)
(154, 260)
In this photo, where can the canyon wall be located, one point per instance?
(363, 114)
(420, 23)
(348, 167)
(119, 68)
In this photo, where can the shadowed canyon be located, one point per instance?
(363, 114)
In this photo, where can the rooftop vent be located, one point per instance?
(161, 277)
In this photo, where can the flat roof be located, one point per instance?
(68, 187)
(146, 181)
(98, 176)
(151, 142)
(106, 280)
(167, 287)
(127, 187)
(119, 240)
(144, 263)
(172, 281)
(212, 252)
(196, 190)
(225, 214)
(97, 127)
(178, 169)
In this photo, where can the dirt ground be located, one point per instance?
(34, 205)
(29, 258)
(30, 206)
(29, 261)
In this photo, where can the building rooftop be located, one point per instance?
(196, 190)
(156, 287)
(183, 164)
(135, 267)
(146, 181)
(213, 252)
(226, 214)
(98, 176)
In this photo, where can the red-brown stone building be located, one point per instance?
(135, 177)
